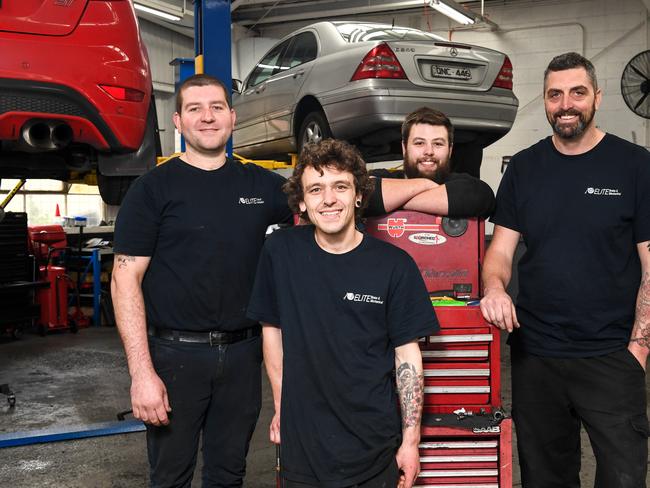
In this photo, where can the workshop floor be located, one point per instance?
(67, 380)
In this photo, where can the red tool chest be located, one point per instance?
(466, 456)
(466, 439)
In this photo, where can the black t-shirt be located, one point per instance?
(581, 217)
(466, 196)
(204, 231)
(342, 315)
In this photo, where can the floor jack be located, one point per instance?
(48, 243)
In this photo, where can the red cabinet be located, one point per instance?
(462, 362)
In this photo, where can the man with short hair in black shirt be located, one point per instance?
(187, 241)
(427, 184)
(339, 310)
(581, 200)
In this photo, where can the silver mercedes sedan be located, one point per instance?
(358, 80)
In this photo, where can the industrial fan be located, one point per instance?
(635, 84)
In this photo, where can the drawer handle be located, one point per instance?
(456, 372)
(456, 389)
(455, 354)
(460, 338)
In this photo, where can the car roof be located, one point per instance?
(333, 26)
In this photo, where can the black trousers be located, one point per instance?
(552, 397)
(386, 479)
(215, 390)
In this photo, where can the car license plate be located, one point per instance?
(451, 72)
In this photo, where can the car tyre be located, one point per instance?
(314, 128)
(113, 188)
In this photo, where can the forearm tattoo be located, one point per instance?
(123, 260)
(410, 386)
(641, 332)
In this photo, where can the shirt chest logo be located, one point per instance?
(603, 192)
(251, 201)
(363, 298)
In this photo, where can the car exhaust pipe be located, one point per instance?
(61, 135)
(37, 135)
(47, 136)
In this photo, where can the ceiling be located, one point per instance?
(257, 14)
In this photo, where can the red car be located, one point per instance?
(75, 93)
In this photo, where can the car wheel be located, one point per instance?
(467, 158)
(313, 129)
(113, 188)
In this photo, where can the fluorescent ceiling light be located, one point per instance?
(451, 12)
(156, 12)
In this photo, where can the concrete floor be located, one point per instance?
(69, 379)
(66, 380)
(77, 379)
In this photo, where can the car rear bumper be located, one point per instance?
(22, 100)
(358, 113)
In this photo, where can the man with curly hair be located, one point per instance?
(339, 311)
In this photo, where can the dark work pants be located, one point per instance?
(386, 479)
(552, 397)
(216, 390)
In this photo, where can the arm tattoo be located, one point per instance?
(410, 386)
(122, 260)
(641, 332)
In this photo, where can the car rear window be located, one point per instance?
(380, 32)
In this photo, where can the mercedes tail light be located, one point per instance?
(504, 78)
(380, 62)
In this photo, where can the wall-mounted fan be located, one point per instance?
(635, 84)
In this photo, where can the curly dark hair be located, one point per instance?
(333, 154)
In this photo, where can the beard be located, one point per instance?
(575, 130)
(438, 174)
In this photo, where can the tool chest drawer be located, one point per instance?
(454, 386)
(462, 344)
(469, 316)
(472, 456)
(461, 369)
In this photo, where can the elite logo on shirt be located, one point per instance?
(606, 192)
(358, 297)
(250, 201)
